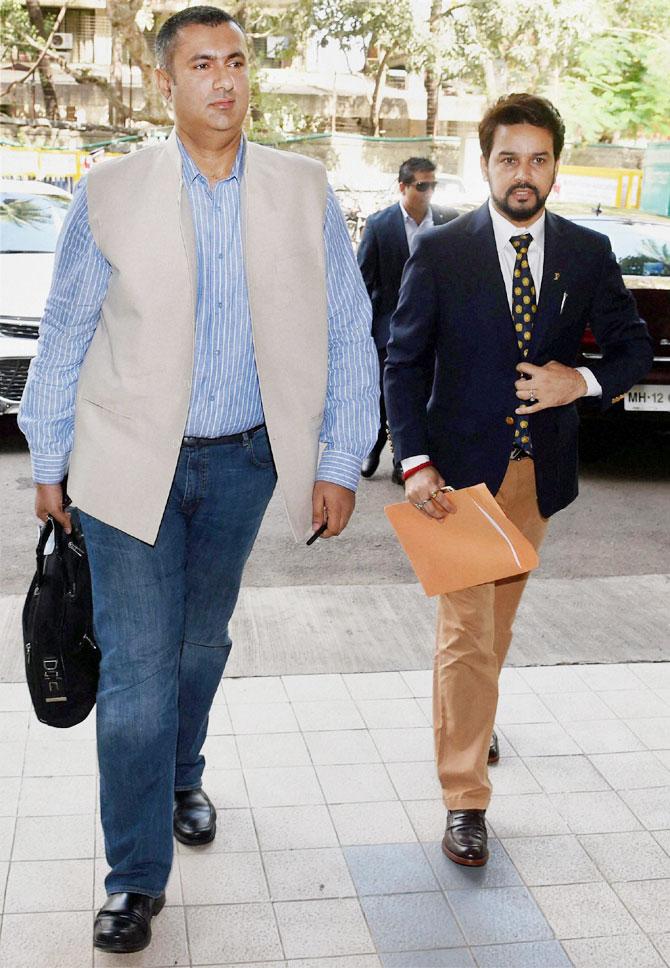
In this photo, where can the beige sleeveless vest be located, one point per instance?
(135, 382)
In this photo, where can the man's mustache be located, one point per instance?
(516, 188)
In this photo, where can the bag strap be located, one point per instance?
(62, 544)
(45, 533)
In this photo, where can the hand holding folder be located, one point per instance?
(477, 544)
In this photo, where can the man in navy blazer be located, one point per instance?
(388, 237)
(480, 385)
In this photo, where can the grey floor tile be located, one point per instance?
(315, 929)
(595, 813)
(13, 727)
(372, 823)
(651, 807)
(604, 736)
(41, 733)
(631, 951)
(355, 783)
(226, 788)
(420, 681)
(227, 878)
(168, 945)
(630, 771)
(584, 910)
(315, 688)
(258, 689)
(257, 717)
(428, 817)
(14, 697)
(173, 892)
(9, 795)
(300, 875)
(522, 708)
(408, 922)
(54, 838)
(272, 749)
(7, 828)
(283, 786)
(499, 871)
(376, 685)
(647, 901)
(45, 796)
(551, 679)
(635, 703)
(654, 733)
(524, 954)
(662, 942)
(511, 682)
(654, 674)
(540, 739)
(390, 869)
(391, 713)
(345, 961)
(631, 856)
(404, 745)
(438, 958)
(234, 831)
(607, 677)
(56, 885)
(341, 746)
(57, 758)
(4, 871)
(527, 815)
(327, 714)
(61, 940)
(415, 781)
(663, 837)
(571, 707)
(220, 753)
(551, 860)
(511, 776)
(232, 933)
(12, 756)
(220, 723)
(499, 915)
(290, 828)
(566, 774)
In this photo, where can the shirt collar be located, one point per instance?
(190, 170)
(503, 229)
(428, 217)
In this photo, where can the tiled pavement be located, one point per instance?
(329, 826)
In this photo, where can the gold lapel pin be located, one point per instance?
(557, 276)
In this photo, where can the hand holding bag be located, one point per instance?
(60, 653)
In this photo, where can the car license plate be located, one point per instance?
(646, 396)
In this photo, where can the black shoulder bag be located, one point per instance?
(61, 656)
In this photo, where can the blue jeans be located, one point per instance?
(161, 618)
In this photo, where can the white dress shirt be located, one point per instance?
(503, 230)
(412, 230)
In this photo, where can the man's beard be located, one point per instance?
(520, 211)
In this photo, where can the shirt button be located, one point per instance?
(220, 255)
(220, 305)
(211, 399)
(509, 421)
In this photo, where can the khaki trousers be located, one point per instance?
(474, 631)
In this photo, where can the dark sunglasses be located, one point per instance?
(424, 186)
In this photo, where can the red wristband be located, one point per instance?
(415, 470)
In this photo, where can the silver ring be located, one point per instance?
(421, 505)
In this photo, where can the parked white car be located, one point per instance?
(31, 216)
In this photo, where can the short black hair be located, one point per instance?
(521, 109)
(411, 166)
(165, 39)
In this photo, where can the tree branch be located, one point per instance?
(58, 21)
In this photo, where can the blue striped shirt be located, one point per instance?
(225, 398)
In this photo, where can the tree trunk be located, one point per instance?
(378, 93)
(122, 15)
(116, 115)
(431, 81)
(46, 77)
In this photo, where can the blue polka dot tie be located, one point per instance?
(524, 309)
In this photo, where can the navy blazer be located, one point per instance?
(453, 331)
(382, 255)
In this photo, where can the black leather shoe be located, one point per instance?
(123, 923)
(494, 749)
(371, 462)
(194, 818)
(465, 839)
(396, 476)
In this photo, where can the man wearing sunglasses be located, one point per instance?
(388, 241)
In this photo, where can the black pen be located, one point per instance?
(317, 534)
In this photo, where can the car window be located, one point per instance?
(30, 223)
(641, 248)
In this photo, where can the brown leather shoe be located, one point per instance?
(194, 818)
(123, 923)
(494, 749)
(465, 839)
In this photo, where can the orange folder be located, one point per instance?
(475, 545)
